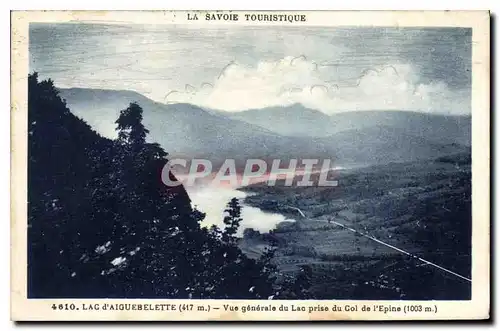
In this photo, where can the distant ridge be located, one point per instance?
(278, 132)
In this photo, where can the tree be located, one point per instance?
(303, 282)
(62, 169)
(232, 220)
(297, 287)
(129, 125)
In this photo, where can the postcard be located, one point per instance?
(250, 165)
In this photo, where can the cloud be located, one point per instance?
(300, 80)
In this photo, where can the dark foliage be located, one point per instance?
(102, 224)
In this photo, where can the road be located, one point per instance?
(426, 262)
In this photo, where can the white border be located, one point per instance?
(151, 4)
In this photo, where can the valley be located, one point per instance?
(415, 195)
(423, 208)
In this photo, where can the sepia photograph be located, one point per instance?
(218, 165)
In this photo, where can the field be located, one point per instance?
(422, 208)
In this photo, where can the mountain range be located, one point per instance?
(298, 120)
(361, 137)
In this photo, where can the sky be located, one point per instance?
(239, 68)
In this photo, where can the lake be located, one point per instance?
(212, 200)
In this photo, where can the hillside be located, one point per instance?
(422, 207)
(437, 128)
(187, 130)
(378, 144)
(102, 225)
(278, 133)
(294, 120)
(301, 121)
